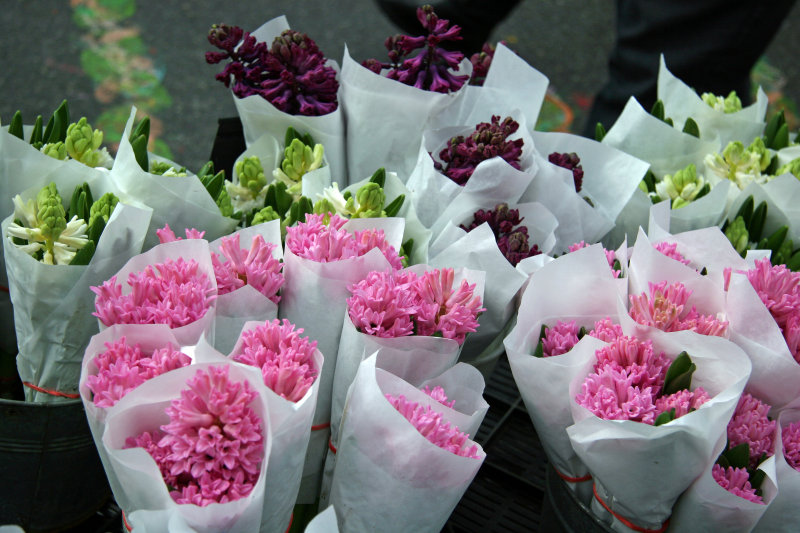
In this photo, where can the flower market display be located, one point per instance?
(309, 341)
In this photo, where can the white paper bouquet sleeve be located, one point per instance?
(53, 304)
(245, 304)
(640, 470)
(578, 286)
(385, 118)
(388, 476)
(324, 522)
(188, 249)
(180, 201)
(143, 409)
(682, 102)
(260, 117)
(291, 428)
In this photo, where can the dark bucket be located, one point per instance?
(51, 477)
(563, 512)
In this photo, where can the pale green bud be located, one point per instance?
(324, 206)
(759, 153)
(265, 215)
(729, 104)
(792, 167)
(224, 203)
(103, 207)
(251, 173)
(55, 150)
(737, 234)
(300, 158)
(370, 198)
(82, 143)
(50, 214)
(681, 187)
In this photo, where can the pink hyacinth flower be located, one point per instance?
(670, 249)
(606, 330)
(560, 338)
(637, 358)
(122, 367)
(256, 267)
(432, 426)
(665, 308)
(166, 234)
(285, 358)
(790, 435)
(778, 287)
(611, 256)
(609, 394)
(792, 334)
(750, 424)
(736, 481)
(684, 401)
(375, 238)
(383, 304)
(451, 312)
(438, 394)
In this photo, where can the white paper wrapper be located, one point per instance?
(22, 167)
(681, 102)
(314, 298)
(624, 457)
(578, 286)
(413, 228)
(707, 507)
(196, 249)
(144, 489)
(388, 476)
(493, 180)
(385, 118)
(53, 304)
(291, 428)
(181, 202)
(783, 514)
(324, 522)
(258, 116)
(245, 304)
(511, 87)
(149, 337)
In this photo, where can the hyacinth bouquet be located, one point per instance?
(322, 257)
(622, 433)
(782, 514)
(279, 79)
(181, 201)
(388, 477)
(394, 100)
(52, 256)
(193, 442)
(575, 291)
(289, 364)
(172, 283)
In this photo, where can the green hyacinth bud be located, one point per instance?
(299, 159)
(103, 207)
(83, 143)
(737, 234)
(50, 214)
(370, 198)
(681, 187)
(265, 215)
(730, 104)
(324, 206)
(251, 173)
(224, 203)
(759, 153)
(55, 150)
(792, 167)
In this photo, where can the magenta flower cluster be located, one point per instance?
(481, 62)
(670, 249)
(665, 308)
(563, 336)
(255, 267)
(438, 394)
(627, 384)
(175, 292)
(285, 358)
(611, 257)
(166, 234)
(433, 427)
(751, 425)
(572, 162)
(398, 304)
(122, 367)
(430, 69)
(324, 242)
(511, 237)
(213, 446)
(490, 139)
(736, 481)
(790, 436)
(779, 289)
(291, 74)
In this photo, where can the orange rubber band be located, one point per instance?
(125, 522)
(291, 519)
(568, 479)
(51, 392)
(331, 447)
(625, 521)
(321, 426)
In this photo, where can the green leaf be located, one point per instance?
(394, 207)
(599, 132)
(17, 240)
(772, 168)
(15, 126)
(679, 374)
(406, 248)
(206, 171)
(793, 263)
(746, 210)
(539, 350)
(277, 198)
(582, 332)
(775, 122)
(691, 127)
(142, 128)
(669, 121)
(36, 134)
(781, 138)
(58, 126)
(658, 110)
(650, 181)
(738, 456)
(757, 479)
(379, 177)
(775, 240)
(705, 190)
(704, 272)
(139, 146)
(96, 229)
(723, 461)
(665, 417)
(84, 255)
(756, 225)
(215, 184)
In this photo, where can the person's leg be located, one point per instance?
(711, 45)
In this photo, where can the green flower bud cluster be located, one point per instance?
(265, 215)
(368, 202)
(162, 168)
(56, 150)
(251, 173)
(103, 208)
(741, 165)
(682, 187)
(729, 104)
(50, 214)
(83, 143)
(792, 167)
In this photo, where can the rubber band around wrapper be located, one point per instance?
(568, 479)
(627, 523)
(52, 392)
